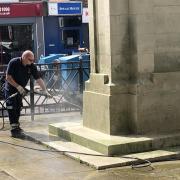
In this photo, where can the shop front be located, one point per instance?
(63, 27)
(21, 28)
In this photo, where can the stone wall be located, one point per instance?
(155, 61)
(167, 35)
(135, 84)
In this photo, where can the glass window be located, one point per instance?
(14, 39)
(70, 21)
(70, 38)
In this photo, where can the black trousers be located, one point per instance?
(14, 106)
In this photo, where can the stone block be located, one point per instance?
(118, 7)
(167, 22)
(145, 62)
(119, 25)
(105, 64)
(105, 113)
(119, 43)
(144, 24)
(166, 3)
(141, 6)
(103, 44)
(156, 105)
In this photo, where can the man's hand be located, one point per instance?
(21, 90)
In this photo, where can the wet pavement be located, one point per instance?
(27, 164)
(23, 163)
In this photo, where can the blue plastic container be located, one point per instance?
(68, 71)
(70, 75)
(49, 59)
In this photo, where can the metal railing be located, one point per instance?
(64, 81)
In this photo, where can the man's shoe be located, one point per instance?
(19, 129)
(16, 133)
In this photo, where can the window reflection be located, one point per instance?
(14, 39)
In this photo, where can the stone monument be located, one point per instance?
(134, 85)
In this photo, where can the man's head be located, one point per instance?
(27, 57)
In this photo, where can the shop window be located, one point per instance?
(70, 38)
(14, 39)
(70, 21)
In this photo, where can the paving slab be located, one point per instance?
(25, 160)
(38, 131)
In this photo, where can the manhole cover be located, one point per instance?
(5, 176)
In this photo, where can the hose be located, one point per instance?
(3, 108)
(141, 163)
(144, 163)
(11, 96)
(56, 99)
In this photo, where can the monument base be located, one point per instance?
(111, 145)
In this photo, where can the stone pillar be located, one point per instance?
(105, 107)
(142, 40)
(134, 84)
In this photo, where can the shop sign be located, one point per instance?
(52, 9)
(5, 10)
(73, 8)
(65, 8)
(21, 9)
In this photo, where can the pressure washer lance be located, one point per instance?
(56, 99)
(15, 94)
(140, 164)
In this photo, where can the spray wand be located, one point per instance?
(15, 94)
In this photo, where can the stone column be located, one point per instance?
(142, 40)
(106, 96)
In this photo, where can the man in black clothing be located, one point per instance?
(18, 74)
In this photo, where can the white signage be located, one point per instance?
(52, 9)
(5, 10)
(85, 16)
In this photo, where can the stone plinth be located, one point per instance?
(134, 85)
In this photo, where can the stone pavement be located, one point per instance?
(38, 130)
(26, 164)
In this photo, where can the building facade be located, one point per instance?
(65, 30)
(43, 32)
(21, 28)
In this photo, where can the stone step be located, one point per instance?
(111, 145)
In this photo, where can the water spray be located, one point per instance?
(41, 93)
(141, 163)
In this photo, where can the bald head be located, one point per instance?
(27, 57)
(27, 53)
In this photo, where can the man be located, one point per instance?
(18, 74)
